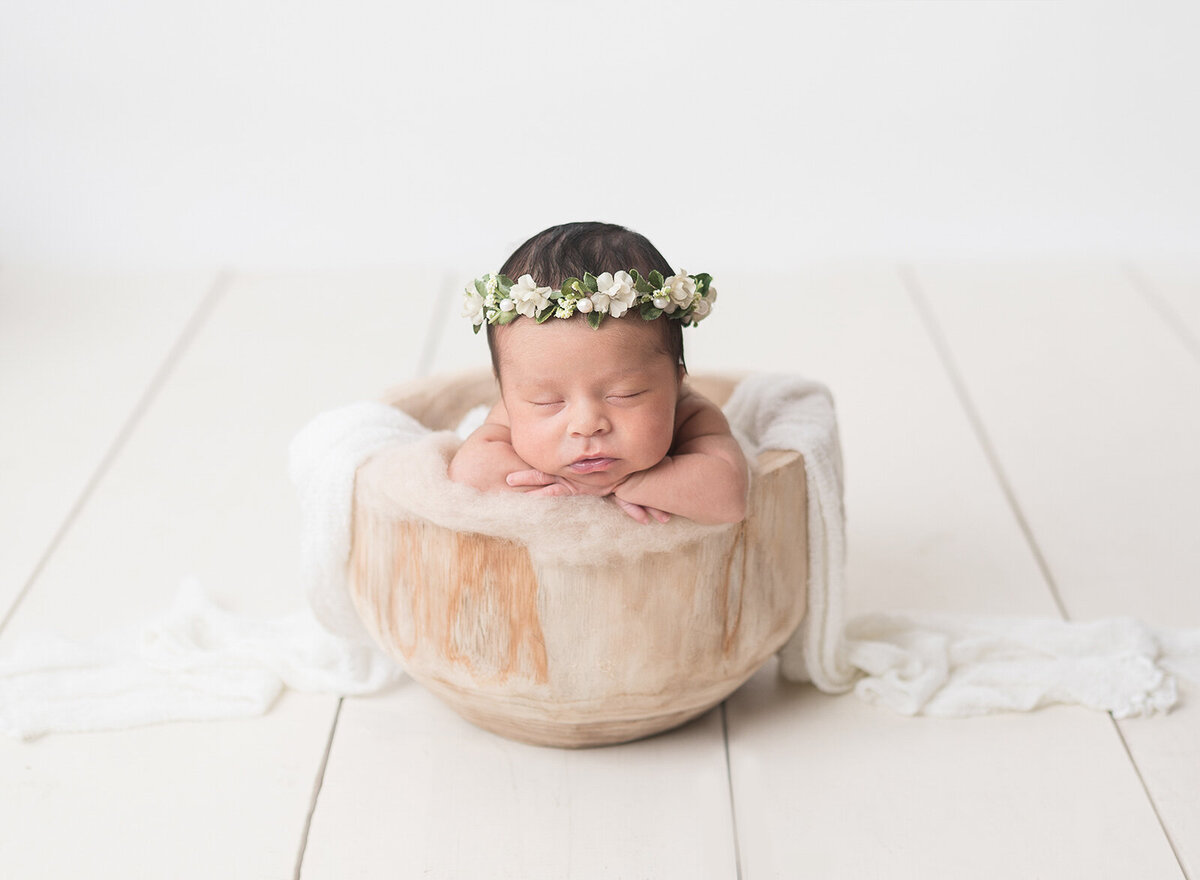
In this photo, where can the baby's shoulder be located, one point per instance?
(696, 415)
(692, 401)
(498, 415)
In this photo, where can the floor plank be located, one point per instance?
(77, 352)
(201, 487)
(414, 788)
(1091, 400)
(829, 787)
(472, 804)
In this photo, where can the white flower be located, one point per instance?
(681, 288)
(472, 306)
(711, 296)
(614, 293)
(619, 290)
(702, 309)
(528, 297)
(584, 305)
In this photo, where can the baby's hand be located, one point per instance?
(641, 513)
(538, 483)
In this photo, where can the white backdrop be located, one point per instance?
(257, 133)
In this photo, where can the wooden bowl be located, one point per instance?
(578, 655)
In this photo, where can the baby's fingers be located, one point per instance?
(529, 478)
(553, 489)
(660, 515)
(634, 510)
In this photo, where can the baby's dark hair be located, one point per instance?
(569, 250)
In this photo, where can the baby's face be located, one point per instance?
(593, 406)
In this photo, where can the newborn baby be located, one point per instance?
(593, 391)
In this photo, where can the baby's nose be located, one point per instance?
(588, 421)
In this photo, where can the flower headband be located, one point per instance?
(497, 299)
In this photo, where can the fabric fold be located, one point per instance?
(197, 662)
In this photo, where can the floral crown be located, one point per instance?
(497, 299)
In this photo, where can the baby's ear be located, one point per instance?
(680, 373)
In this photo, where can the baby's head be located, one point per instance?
(593, 404)
(573, 249)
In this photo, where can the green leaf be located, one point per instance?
(570, 285)
(476, 327)
(507, 317)
(481, 286)
(656, 279)
(594, 318)
(504, 284)
(589, 281)
(643, 286)
(649, 312)
(545, 314)
(703, 280)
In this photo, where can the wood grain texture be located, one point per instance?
(577, 655)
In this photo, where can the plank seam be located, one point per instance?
(909, 279)
(215, 292)
(737, 848)
(1165, 310)
(318, 784)
(1149, 797)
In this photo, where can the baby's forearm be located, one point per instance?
(704, 488)
(485, 460)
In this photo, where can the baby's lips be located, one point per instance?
(591, 465)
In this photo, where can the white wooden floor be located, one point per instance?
(1020, 439)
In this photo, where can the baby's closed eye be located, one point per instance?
(625, 396)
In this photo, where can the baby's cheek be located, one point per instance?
(658, 438)
(533, 448)
(666, 441)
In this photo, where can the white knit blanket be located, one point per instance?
(202, 662)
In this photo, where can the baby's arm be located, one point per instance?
(704, 478)
(487, 457)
